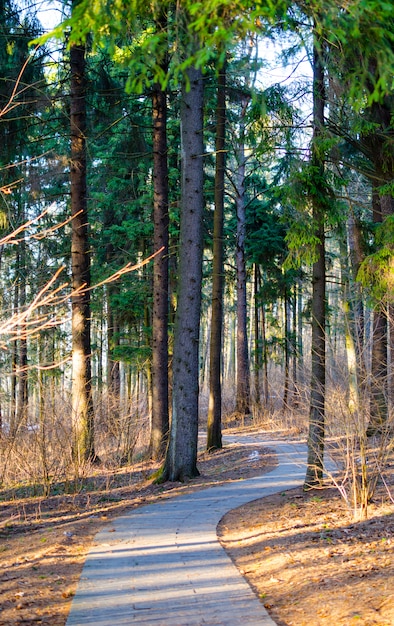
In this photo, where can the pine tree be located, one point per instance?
(160, 312)
(181, 458)
(82, 402)
(214, 435)
(318, 375)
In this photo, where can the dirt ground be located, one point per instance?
(308, 563)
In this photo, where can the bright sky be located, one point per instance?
(50, 13)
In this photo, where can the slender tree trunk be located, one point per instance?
(146, 342)
(214, 431)
(160, 313)
(287, 348)
(242, 402)
(22, 400)
(314, 471)
(113, 328)
(231, 350)
(387, 204)
(205, 340)
(42, 379)
(350, 343)
(113, 341)
(379, 145)
(391, 355)
(14, 355)
(257, 338)
(357, 255)
(294, 348)
(378, 405)
(264, 354)
(82, 404)
(181, 457)
(300, 342)
(100, 351)
(42, 422)
(379, 373)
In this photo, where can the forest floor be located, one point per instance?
(307, 560)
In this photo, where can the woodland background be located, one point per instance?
(138, 129)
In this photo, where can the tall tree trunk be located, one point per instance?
(181, 457)
(242, 402)
(146, 343)
(378, 394)
(113, 328)
(300, 342)
(314, 471)
(356, 254)
(264, 355)
(82, 404)
(350, 343)
(113, 341)
(23, 390)
(214, 431)
(378, 143)
(257, 338)
(14, 355)
(391, 355)
(287, 348)
(160, 312)
(22, 400)
(205, 340)
(378, 402)
(294, 348)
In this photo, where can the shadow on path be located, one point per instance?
(162, 565)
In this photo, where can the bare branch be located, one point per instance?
(11, 104)
(32, 321)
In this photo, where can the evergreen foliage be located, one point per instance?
(134, 48)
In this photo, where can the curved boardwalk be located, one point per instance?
(162, 564)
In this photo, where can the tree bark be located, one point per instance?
(113, 365)
(357, 328)
(391, 356)
(266, 393)
(160, 312)
(294, 348)
(379, 361)
(181, 457)
(378, 403)
(82, 403)
(22, 399)
(287, 349)
(242, 403)
(14, 355)
(377, 144)
(257, 338)
(314, 471)
(349, 319)
(214, 431)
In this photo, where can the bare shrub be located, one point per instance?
(38, 454)
(38, 458)
(122, 432)
(359, 460)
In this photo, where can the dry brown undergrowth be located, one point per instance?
(310, 563)
(304, 542)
